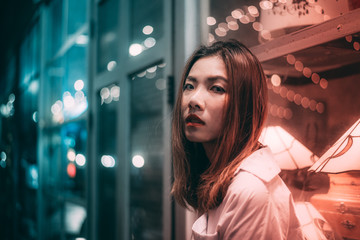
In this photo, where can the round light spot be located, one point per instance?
(275, 80)
(323, 83)
(80, 159)
(210, 21)
(149, 42)
(147, 30)
(111, 66)
(237, 13)
(79, 85)
(135, 49)
(320, 108)
(107, 161)
(307, 72)
(290, 59)
(71, 155)
(315, 78)
(299, 66)
(138, 161)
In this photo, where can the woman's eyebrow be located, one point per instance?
(190, 78)
(214, 78)
(210, 79)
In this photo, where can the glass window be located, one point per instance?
(147, 153)
(313, 107)
(311, 93)
(108, 39)
(52, 209)
(147, 24)
(68, 86)
(64, 179)
(74, 162)
(77, 12)
(30, 56)
(55, 28)
(53, 87)
(106, 161)
(254, 22)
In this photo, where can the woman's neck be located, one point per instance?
(209, 149)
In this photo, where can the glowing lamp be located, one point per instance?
(289, 153)
(344, 155)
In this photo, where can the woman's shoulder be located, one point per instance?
(245, 187)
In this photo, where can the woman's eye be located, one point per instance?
(217, 89)
(188, 86)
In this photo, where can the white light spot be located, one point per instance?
(104, 93)
(80, 159)
(135, 49)
(152, 69)
(266, 5)
(79, 85)
(3, 156)
(69, 101)
(210, 21)
(71, 155)
(147, 30)
(245, 19)
(160, 84)
(237, 13)
(35, 116)
(57, 107)
(149, 42)
(82, 40)
(111, 66)
(220, 32)
(12, 98)
(253, 11)
(115, 92)
(107, 161)
(275, 80)
(138, 161)
(33, 87)
(211, 38)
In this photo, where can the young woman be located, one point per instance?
(220, 168)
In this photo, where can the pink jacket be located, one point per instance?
(257, 205)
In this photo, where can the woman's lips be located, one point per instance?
(192, 120)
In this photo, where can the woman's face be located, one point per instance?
(203, 99)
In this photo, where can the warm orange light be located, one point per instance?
(290, 59)
(315, 78)
(71, 170)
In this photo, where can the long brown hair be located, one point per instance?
(197, 181)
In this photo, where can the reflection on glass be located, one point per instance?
(30, 57)
(147, 153)
(55, 28)
(254, 22)
(74, 220)
(146, 25)
(312, 97)
(76, 16)
(106, 161)
(71, 78)
(108, 39)
(74, 139)
(52, 207)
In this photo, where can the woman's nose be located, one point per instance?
(197, 100)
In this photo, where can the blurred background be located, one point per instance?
(86, 94)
